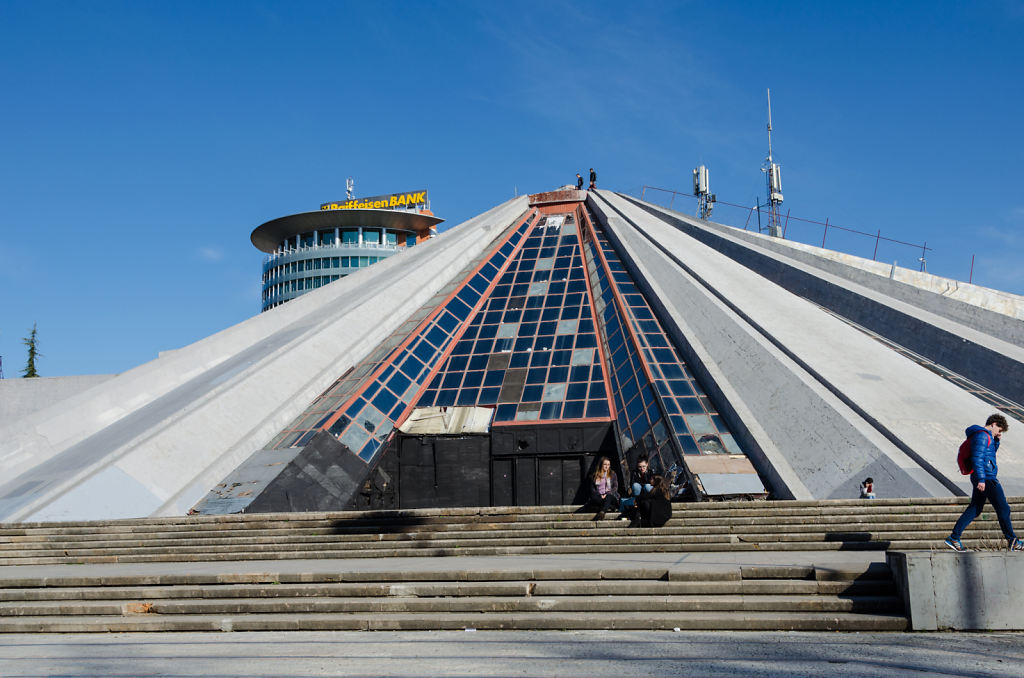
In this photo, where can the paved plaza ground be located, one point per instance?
(591, 654)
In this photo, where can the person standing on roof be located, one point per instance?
(593, 179)
(579, 182)
(984, 444)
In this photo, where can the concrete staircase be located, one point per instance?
(730, 526)
(739, 598)
(177, 574)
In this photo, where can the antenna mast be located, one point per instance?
(773, 177)
(701, 189)
(350, 188)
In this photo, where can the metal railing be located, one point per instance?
(827, 225)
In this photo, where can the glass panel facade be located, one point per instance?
(538, 363)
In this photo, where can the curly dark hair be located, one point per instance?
(998, 419)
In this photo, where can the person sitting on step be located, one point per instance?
(867, 489)
(654, 508)
(604, 488)
(642, 477)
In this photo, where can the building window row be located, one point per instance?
(318, 264)
(355, 237)
(300, 285)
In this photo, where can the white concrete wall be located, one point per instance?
(155, 439)
(21, 397)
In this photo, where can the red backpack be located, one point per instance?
(963, 456)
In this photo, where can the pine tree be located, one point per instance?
(33, 354)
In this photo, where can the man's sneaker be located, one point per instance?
(955, 544)
(1015, 544)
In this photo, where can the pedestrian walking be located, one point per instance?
(984, 442)
(579, 182)
(593, 179)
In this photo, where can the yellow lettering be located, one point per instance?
(402, 200)
(394, 201)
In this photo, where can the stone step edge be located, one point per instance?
(730, 573)
(433, 552)
(430, 589)
(765, 621)
(650, 539)
(880, 505)
(847, 532)
(479, 604)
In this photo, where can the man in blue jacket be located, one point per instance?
(984, 444)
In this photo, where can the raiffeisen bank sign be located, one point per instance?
(380, 202)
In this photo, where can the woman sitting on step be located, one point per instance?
(604, 488)
(654, 508)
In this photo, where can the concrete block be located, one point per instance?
(974, 591)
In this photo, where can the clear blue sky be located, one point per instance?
(143, 141)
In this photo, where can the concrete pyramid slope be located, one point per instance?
(153, 440)
(826, 403)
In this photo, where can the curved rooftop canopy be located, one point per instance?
(268, 237)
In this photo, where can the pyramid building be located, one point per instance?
(496, 363)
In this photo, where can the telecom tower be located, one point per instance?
(701, 188)
(350, 188)
(773, 179)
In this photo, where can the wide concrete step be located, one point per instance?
(689, 620)
(480, 604)
(424, 517)
(594, 530)
(598, 539)
(607, 527)
(463, 550)
(453, 589)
